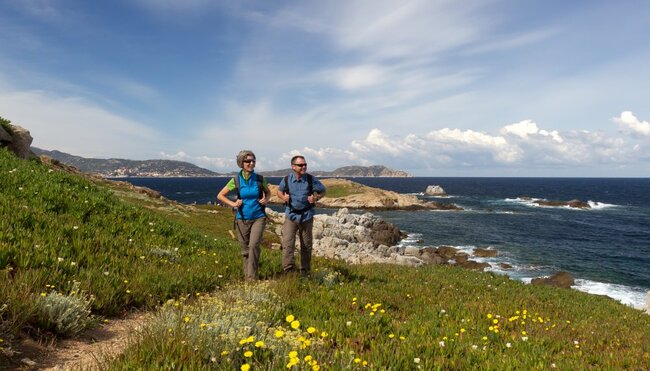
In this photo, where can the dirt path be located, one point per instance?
(81, 353)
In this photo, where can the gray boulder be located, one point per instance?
(19, 141)
(435, 190)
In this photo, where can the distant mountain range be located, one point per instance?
(114, 167)
(348, 171)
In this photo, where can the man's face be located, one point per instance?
(299, 166)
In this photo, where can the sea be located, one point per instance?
(606, 247)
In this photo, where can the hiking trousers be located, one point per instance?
(249, 233)
(304, 232)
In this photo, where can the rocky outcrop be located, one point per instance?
(359, 196)
(365, 239)
(485, 253)
(435, 190)
(575, 203)
(560, 279)
(17, 139)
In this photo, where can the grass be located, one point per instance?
(342, 190)
(64, 233)
(57, 229)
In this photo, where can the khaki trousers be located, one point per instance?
(249, 233)
(289, 231)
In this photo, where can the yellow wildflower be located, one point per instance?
(245, 367)
(295, 325)
(279, 334)
(186, 319)
(293, 354)
(248, 354)
(324, 334)
(260, 344)
(311, 330)
(489, 315)
(390, 336)
(308, 358)
(357, 360)
(290, 318)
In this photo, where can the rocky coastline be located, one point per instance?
(366, 239)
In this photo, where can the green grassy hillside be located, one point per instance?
(72, 250)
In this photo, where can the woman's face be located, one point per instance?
(249, 163)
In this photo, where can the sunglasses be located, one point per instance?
(248, 161)
(300, 165)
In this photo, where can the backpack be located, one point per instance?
(260, 187)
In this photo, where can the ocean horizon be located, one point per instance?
(606, 247)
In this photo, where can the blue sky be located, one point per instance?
(436, 88)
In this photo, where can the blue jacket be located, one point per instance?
(250, 195)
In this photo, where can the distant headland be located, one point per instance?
(118, 168)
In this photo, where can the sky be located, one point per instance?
(434, 87)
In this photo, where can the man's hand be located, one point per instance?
(284, 196)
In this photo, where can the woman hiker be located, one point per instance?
(250, 218)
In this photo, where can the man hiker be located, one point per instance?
(300, 191)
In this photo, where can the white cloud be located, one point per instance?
(521, 147)
(521, 129)
(74, 125)
(631, 124)
(216, 163)
(359, 77)
(324, 158)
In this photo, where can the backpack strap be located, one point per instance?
(237, 189)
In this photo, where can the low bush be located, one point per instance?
(66, 314)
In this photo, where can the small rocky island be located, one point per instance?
(577, 204)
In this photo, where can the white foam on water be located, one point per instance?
(524, 201)
(600, 205)
(432, 196)
(632, 296)
(411, 239)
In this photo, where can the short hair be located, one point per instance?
(293, 159)
(241, 156)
